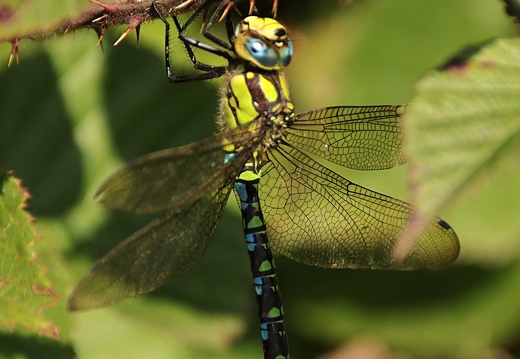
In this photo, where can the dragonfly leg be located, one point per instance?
(210, 71)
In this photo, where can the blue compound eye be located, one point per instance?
(266, 56)
(286, 54)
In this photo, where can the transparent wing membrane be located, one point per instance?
(173, 179)
(319, 218)
(357, 137)
(155, 255)
(312, 214)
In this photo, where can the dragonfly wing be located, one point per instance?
(157, 254)
(173, 179)
(357, 137)
(319, 218)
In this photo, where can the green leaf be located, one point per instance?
(464, 133)
(21, 17)
(25, 292)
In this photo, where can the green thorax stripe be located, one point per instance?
(250, 95)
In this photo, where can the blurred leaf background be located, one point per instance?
(70, 115)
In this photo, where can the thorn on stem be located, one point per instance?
(137, 32)
(183, 5)
(14, 52)
(231, 3)
(227, 9)
(134, 24)
(100, 18)
(109, 8)
(100, 31)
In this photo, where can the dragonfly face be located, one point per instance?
(263, 42)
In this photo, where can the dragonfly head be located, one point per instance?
(263, 42)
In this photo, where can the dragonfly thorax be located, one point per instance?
(251, 96)
(263, 42)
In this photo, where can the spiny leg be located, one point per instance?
(211, 71)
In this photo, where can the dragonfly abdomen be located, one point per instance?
(268, 296)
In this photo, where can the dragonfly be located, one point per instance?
(267, 154)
